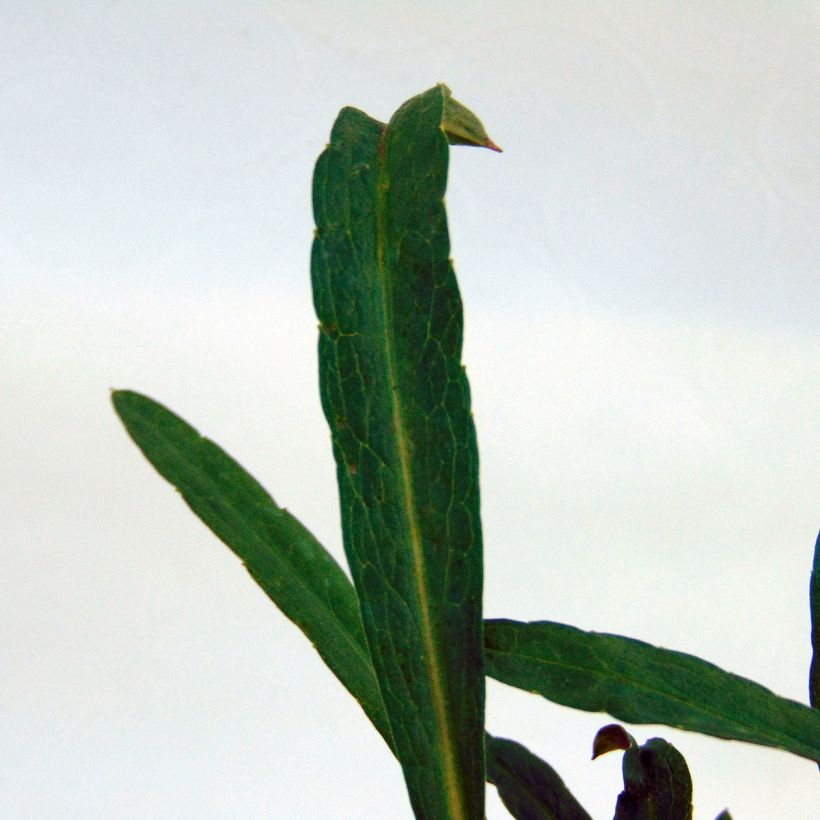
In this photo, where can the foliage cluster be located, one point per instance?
(407, 637)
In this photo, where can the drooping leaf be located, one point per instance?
(296, 572)
(639, 683)
(814, 605)
(397, 400)
(461, 126)
(657, 784)
(528, 786)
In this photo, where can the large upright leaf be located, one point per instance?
(397, 401)
(292, 567)
(639, 683)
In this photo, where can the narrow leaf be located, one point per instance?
(398, 404)
(639, 683)
(814, 603)
(292, 567)
(657, 784)
(528, 786)
(724, 815)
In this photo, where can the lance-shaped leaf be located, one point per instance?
(296, 572)
(814, 605)
(299, 576)
(528, 786)
(639, 683)
(398, 404)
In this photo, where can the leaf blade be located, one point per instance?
(397, 402)
(639, 683)
(527, 785)
(281, 555)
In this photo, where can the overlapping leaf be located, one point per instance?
(639, 683)
(304, 581)
(296, 572)
(397, 402)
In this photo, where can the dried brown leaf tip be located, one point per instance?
(609, 738)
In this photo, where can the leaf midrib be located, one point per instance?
(455, 797)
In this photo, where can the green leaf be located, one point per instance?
(461, 126)
(292, 567)
(295, 571)
(528, 786)
(397, 400)
(657, 784)
(724, 815)
(814, 604)
(639, 683)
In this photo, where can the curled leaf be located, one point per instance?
(609, 738)
(461, 126)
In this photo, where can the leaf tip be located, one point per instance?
(609, 738)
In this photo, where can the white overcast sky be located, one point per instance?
(641, 276)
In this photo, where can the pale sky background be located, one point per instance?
(640, 275)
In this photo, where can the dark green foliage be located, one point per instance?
(639, 683)
(296, 572)
(408, 642)
(657, 785)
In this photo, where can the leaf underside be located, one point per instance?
(397, 401)
(639, 683)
